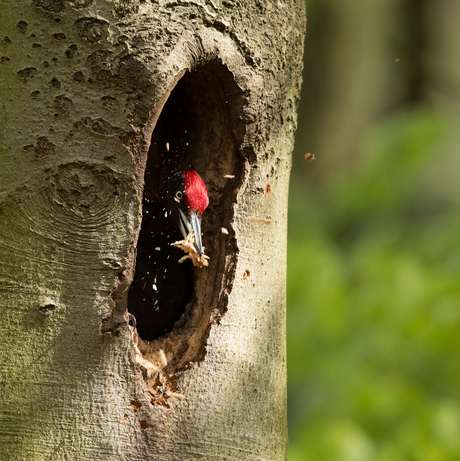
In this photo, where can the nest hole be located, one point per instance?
(199, 128)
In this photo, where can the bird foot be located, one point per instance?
(185, 317)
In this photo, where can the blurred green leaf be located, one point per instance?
(373, 303)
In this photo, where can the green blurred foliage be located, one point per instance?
(374, 300)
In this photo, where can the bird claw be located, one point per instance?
(184, 318)
(132, 320)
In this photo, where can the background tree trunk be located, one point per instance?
(100, 99)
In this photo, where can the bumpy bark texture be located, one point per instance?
(101, 102)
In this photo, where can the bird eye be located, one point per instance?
(179, 195)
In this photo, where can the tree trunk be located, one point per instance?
(101, 102)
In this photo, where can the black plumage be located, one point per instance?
(162, 287)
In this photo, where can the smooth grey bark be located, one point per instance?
(89, 91)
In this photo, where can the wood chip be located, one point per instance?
(174, 394)
(188, 247)
(135, 405)
(266, 221)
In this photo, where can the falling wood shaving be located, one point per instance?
(189, 247)
(266, 221)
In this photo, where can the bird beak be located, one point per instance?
(189, 223)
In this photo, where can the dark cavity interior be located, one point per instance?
(199, 129)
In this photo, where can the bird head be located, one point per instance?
(184, 199)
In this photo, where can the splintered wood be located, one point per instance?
(189, 247)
